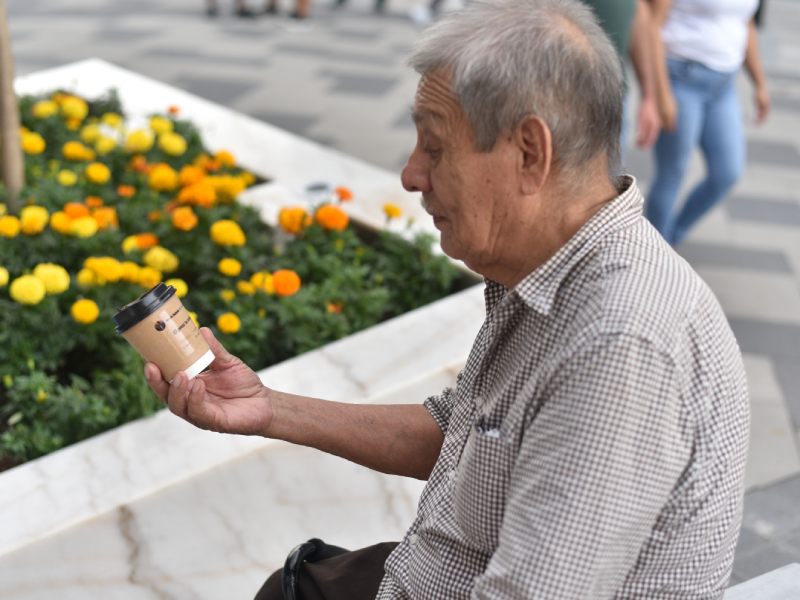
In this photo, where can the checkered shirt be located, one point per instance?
(595, 441)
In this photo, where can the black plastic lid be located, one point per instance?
(146, 304)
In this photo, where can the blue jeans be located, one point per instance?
(708, 116)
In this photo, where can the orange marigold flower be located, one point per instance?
(201, 193)
(334, 307)
(293, 219)
(75, 210)
(344, 193)
(190, 174)
(139, 163)
(332, 217)
(146, 240)
(286, 282)
(154, 215)
(93, 201)
(126, 191)
(106, 217)
(183, 218)
(174, 110)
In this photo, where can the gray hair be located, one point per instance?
(548, 58)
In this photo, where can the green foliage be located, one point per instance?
(65, 378)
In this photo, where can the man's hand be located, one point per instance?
(228, 398)
(668, 109)
(649, 123)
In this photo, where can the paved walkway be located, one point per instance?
(340, 79)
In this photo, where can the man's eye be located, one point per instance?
(432, 152)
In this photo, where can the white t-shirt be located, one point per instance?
(711, 32)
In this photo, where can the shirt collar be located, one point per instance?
(538, 290)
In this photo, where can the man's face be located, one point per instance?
(468, 193)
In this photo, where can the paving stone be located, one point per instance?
(782, 102)
(337, 56)
(771, 339)
(735, 257)
(360, 84)
(787, 372)
(747, 566)
(191, 55)
(773, 153)
(764, 210)
(294, 122)
(215, 89)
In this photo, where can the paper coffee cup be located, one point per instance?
(162, 331)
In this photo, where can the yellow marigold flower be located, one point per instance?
(227, 186)
(160, 124)
(392, 211)
(76, 151)
(332, 217)
(106, 217)
(193, 315)
(67, 178)
(113, 120)
(190, 174)
(172, 143)
(44, 109)
(229, 323)
(27, 289)
(86, 278)
(139, 141)
(60, 222)
(105, 144)
(85, 311)
(227, 295)
(163, 178)
(3, 276)
(90, 133)
(41, 395)
(227, 233)
(148, 277)
(293, 219)
(9, 226)
(97, 173)
(286, 282)
(106, 268)
(248, 178)
(54, 277)
(74, 108)
(181, 289)
(129, 244)
(183, 218)
(161, 259)
(83, 227)
(130, 271)
(73, 124)
(263, 281)
(225, 158)
(33, 143)
(229, 267)
(33, 219)
(245, 287)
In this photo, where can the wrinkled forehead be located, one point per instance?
(436, 105)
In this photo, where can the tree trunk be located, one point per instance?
(12, 171)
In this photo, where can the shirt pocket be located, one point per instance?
(481, 485)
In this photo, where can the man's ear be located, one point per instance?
(535, 144)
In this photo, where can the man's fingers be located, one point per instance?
(198, 411)
(222, 357)
(156, 381)
(177, 396)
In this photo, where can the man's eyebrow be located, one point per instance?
(418, 116)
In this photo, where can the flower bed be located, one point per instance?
(110, 210)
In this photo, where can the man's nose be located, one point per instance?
(415, 176)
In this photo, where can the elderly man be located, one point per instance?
(594, 444)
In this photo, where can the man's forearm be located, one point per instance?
(399, 439)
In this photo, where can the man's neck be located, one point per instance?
(556, 215)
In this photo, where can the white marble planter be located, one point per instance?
(158, 509)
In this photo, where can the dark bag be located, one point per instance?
(311, 551)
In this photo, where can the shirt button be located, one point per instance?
(412, 539)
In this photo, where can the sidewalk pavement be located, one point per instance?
(340, 79)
